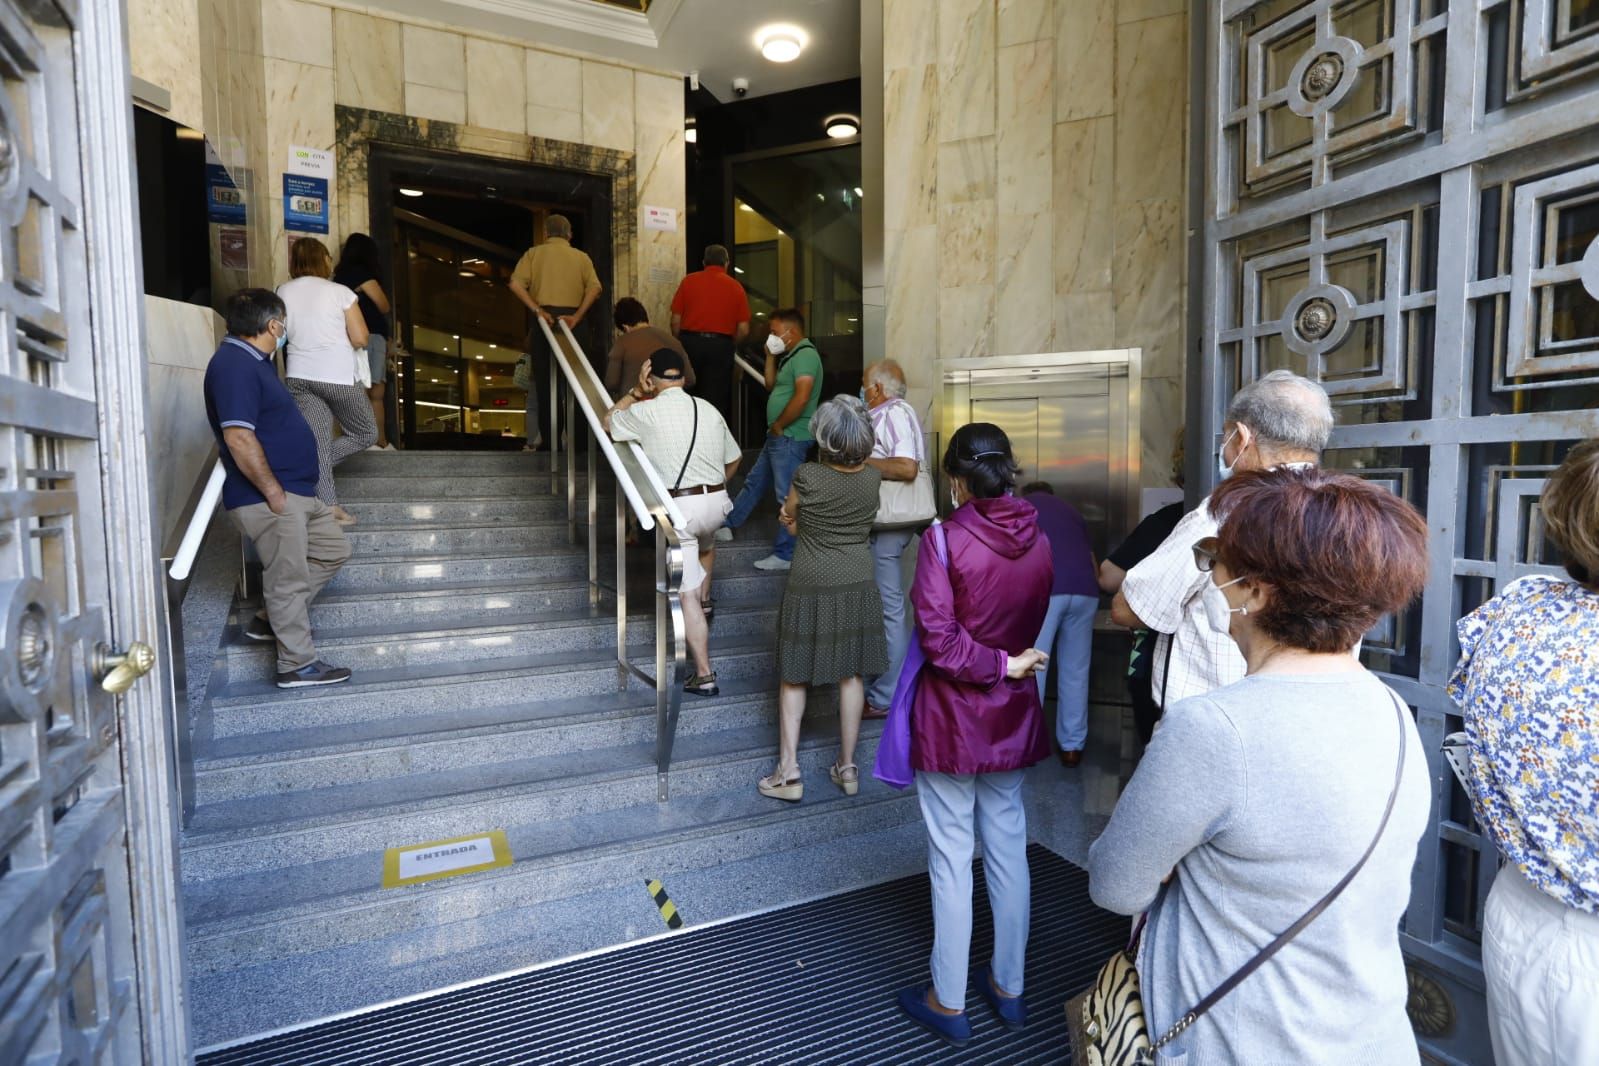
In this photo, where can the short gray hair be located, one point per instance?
(1286, 411)
(890, 375)
(843, 431)
(557, 226)
(715, 255)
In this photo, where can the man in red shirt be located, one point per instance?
(710, 314)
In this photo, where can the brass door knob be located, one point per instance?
(118, 671)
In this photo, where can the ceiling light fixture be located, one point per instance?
(480, 357)
(738, 270)
(494, 346)
(691, 132)
(858, 191)
(841, 126)
(781, 43)
(410, 192)
(745, 207)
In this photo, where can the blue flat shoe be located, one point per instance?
(952, 1029)
(1011, 1010)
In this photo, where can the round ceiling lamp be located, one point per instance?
(841, 126)
(691, 132)
(781, 43)
(410, 192)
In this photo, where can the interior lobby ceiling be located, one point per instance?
(714, 37)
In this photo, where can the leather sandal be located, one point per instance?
(846, 777)
(777, 787)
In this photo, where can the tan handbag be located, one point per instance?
(1107, 1023)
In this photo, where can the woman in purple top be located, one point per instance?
(1068, 633)
(977, 723)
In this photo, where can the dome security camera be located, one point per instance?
(741, 86)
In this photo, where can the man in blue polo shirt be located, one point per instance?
(269, 454)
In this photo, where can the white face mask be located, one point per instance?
(1217, 610)
(775, 345)
(1223, 467)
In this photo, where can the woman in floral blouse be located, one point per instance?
(1528, 685)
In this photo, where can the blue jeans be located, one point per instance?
(773, 472)
(1068, 638)
(951, 805)
(888, 546)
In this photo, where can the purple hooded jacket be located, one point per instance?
(969, 717)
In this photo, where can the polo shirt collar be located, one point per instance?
(247, 346)
(711, 268)
(563, 240)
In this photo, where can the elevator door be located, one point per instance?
(1401, 199)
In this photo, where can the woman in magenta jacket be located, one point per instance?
(977, 723)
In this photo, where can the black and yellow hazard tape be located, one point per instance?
(667, 908)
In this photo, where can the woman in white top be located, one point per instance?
(327, 334)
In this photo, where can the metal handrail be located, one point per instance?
(640, 487)
(739, 413)
(749, 368)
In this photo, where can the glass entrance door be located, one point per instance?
(464, 332)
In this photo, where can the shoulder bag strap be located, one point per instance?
(693, 437)
(1309, 916)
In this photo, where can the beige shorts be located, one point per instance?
(704, 516)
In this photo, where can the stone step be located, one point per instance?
(449, 486)
(426, 541)
(408, 510)
(241, 707)
(267, 764)
(470, 638)
(264, 834)
(367, 572)
(449, 463)
(245, 998)
(240, 919)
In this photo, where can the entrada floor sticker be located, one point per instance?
(415, 863)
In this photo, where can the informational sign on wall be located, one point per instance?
(233, 244)
(224, 201)
(306, 180)
(660, 218)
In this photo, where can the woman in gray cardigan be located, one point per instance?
(1254, 800)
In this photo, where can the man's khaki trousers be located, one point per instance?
(300, 549)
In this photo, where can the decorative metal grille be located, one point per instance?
(1402, 200)
(63, 891)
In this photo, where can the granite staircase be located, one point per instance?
(486, 696)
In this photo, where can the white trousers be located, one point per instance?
(1541, 961)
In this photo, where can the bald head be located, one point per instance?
(1287, 418)
(887, 375)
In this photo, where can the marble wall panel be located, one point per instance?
(910, 186)
(496, 94)
(179, 341)
(1148, 276)
(910, 34)
(1083, 200)
(965, 321)
(1161, 412)
(966, 244)
(1134, 10)
(966, 75)
(1151, 56)
(297, 31)
(607, 106)
(967, 171)
(554, 124)
(911, 299)
(299, 112)
(443, 105)
(1024, 284)
(554, 81)
(1085, 321)
(436, 58)
(1023, 141)
(1021, 21)
(661, 175)
(1085, 59)
(657, 100)
(366, 68)
(163, 41)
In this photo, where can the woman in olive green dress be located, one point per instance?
(830, 626)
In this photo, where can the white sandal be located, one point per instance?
(847, 777)
(778, 787)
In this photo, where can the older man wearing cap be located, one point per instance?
(687, 441)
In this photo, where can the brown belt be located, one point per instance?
(699, 490)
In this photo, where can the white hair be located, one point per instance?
(888, 374)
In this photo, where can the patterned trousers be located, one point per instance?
(322, 403)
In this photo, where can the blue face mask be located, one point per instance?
(283, 338)
(863, 395)
(1223, 467)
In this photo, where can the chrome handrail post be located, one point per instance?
(621, 591)
(173, 592)
(571, 468)
(594, 528)
(554, 442)
(668, 660)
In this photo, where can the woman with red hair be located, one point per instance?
(1256, 801)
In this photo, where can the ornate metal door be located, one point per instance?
(76, 565)
(1401, 198)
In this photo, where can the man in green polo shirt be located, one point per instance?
(794, 378)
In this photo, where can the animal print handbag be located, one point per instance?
(1107, 1023)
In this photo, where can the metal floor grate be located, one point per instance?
(809, 983)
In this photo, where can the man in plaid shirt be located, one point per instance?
(1280, 419)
